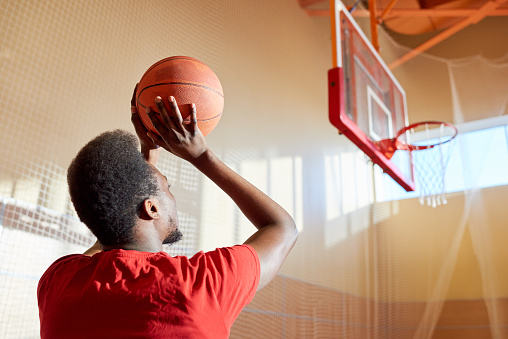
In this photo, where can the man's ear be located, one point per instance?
(151, 209)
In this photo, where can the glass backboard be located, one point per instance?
(366, 102)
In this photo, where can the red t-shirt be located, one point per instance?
(131, 294)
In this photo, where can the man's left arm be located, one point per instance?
(149, 149)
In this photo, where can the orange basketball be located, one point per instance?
(189, 81)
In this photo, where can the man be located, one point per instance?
(125, 286)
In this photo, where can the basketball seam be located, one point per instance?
(150, 127)
(188, 119)
(171, 59)
(181, 83)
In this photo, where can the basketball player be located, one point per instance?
(125, 286)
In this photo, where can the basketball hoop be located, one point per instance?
(429, 145)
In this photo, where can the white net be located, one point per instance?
(465, 282)
(431, 161)
(359, 270)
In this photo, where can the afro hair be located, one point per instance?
(108, 181)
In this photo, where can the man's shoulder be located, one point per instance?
(57, 265)
(63, 261)
(238, 260)
(233, 273)
(238, 252)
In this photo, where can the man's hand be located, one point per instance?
(183, 140)
(148, 148)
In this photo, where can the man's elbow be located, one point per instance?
(292, 231)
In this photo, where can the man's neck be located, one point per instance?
(153, 247)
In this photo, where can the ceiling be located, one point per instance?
(423, 24)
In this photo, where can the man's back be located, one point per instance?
(132, 289)
(132, 294)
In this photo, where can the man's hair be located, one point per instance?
(108, 183)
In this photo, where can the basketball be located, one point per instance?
(189, 81)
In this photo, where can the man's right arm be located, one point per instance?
(276, 233)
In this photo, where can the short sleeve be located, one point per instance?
(237, 278)
(52, 269)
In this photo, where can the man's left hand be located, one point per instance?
(149, 149)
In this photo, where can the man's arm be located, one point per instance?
(149, 149)
(276, 233)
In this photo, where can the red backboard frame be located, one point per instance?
(346, 126)
(337, 99)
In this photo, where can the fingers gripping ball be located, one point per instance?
(189, 81)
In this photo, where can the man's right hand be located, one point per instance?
(183, 140)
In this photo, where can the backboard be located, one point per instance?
(366, 102)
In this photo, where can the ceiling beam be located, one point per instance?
(387, 10)
(373, 25)
(479, 14)
(412, 12)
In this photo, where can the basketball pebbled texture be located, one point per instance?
(189, 81)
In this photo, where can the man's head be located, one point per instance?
(109, 182)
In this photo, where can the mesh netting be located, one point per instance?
(360, 269)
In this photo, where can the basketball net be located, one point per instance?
(430, 163)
